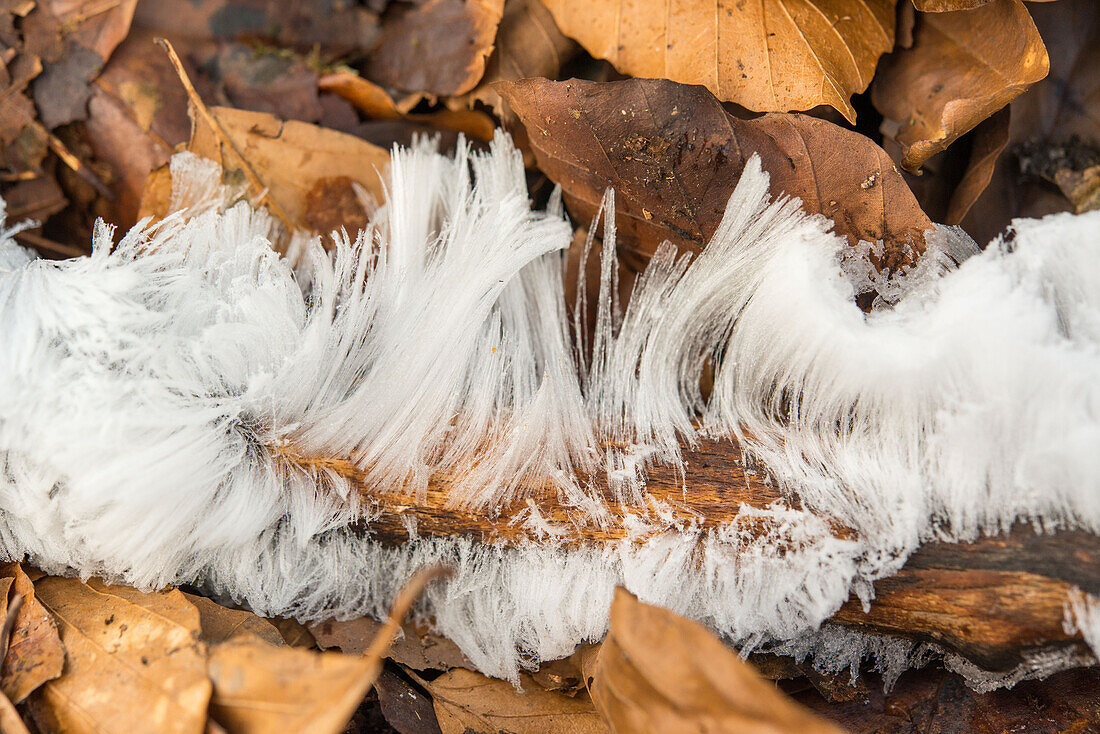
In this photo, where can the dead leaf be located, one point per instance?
(963, 66)
(137, 115)
(657, 672)
(135, 661)
(989, 140)
(528, 44)
(768, 55)
(220, 623)
(674, 155)
(94, 24)
(10, 720)
(405, 707)
(374, 102)
(294, 633)
(35, 654)
(416, 649)
(263, 80)
(337, 27)
(1048, 116)
(439, 47)
(260, 687)
(291, 158)
(469, 702)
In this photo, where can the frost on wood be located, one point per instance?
(187, 407)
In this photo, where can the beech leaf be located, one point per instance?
(220, 623)
(439, 47)
(963, 66)
(35, 654)
(260, 687)
(658, 672)
(468, 702)
(766, 55)
(674, 156)
(135, 661)
(415, 648)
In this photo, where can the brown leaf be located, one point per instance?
(94, 24)
(337, 27)
(289, 159)
(374, 102)
(674, 156)
(989, 140)
(469, 702)
(405, 707)
(10, 721)
(416, 649)
(260, 687)
(963, 66)
(657, 672)
(263, 80)
(293, 632)
(220, 623)
(768, 55)
(35, 654)
(439, 47)
(528, 44)
(135, 661)
(1048, 116)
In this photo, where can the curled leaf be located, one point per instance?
(767, 55)
(963, 66)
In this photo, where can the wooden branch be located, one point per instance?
(992, 601)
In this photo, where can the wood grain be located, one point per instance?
(993, 601)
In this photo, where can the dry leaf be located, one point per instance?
(405, 707)
(10, 720)
(290, 159)
(293, 632)
(766, 55)
(374, 102)
(136, 116)
(220, 623)
(35, 654)
(528, 44)
(963, 66)
(657, 672)
(135, 661)
(674, 156)
(337, 27)
(439, 47)
(468, 702)
(416, 649)
(989, 140)
(260, 687)
(1048, 116)
(96, 25)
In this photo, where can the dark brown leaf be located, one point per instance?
(963, 66)
(406, 708)
(657, 672)
(1048, 116)
(674, 155)
(438, 48)
(989, 140)
(336, 26)
(528, 44)
(93, 24)
(767, 55)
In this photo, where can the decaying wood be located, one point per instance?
(993, 601)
